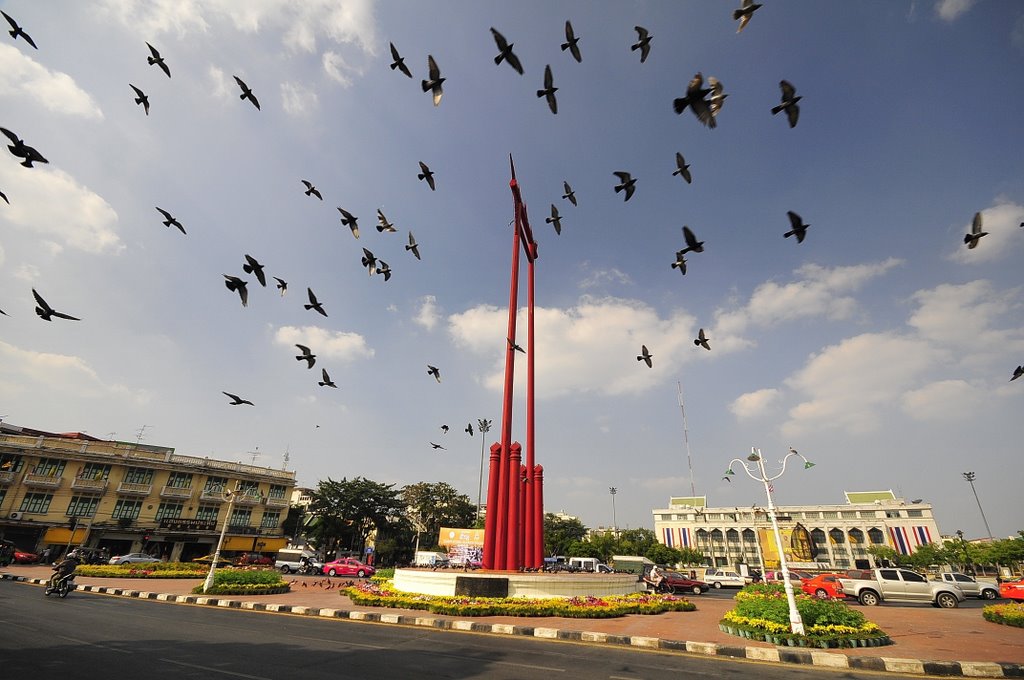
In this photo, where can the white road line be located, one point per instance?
(526, 665)
(93, 644)
(209, 669)
(343, 643)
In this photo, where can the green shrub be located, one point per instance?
(385, 574)
(143, 570)
(1011, 614)
(245, 582)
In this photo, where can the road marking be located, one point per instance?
(93, 644)
(208, 669)
(338, 642)
(530, 666)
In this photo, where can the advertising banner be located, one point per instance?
(467, 537)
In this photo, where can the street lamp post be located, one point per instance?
(484, 426)
(969, 476)
(229, 496)
(615, 524)
(796, 624)
(967, 554)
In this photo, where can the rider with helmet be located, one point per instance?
(64, 568)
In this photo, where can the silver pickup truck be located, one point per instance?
(985, 590)
(872, 586)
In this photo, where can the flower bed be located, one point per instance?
(143, 570)
(245, 582)
(373, 594)
(1010, 614)
(762, 613)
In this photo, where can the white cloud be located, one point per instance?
(337, 68)
(428, 314)
(297, 99)
(53, 204)
(942, 401)
(962, 316)
(219, 82)
(154, 17)
(325, 343)
(754, 404)
(1001, 222)
(601, 277)
(950, 10)
(24, 371)
(25, 272)
(21, 76)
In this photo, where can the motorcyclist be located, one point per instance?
(655, 577)
(64, 568)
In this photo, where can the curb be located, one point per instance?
(806, 657)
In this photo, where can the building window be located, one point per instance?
(848, 514)
(3, 495)
(830, 514)
(82, 506)
(126, 509)
(836, 536)
(876, 536)
(270, 520)
(38, 503)
(168, 511)
(95, 471)
(216, 484)
(892, 514)
(136, 475)
(915, 513)
(208, 512)
(180, 480)
(49, 467)
(249, 488)
(10, 462)
(276, 491)
(240, 517)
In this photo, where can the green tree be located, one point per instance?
(560, 533)
(431, 506)
(583, 549)
(349, 510)
(636, 541)
(884, 553)
(662, 554)
(691, 556)
(925, 556)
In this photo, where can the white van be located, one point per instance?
(588, 564)
(429, 558)
(290, 559)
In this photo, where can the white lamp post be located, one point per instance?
(229, 496)
(796, 624)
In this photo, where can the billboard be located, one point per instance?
(449, 537)
(796, 542)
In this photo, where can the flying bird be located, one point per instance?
(514, 346)
(792, 450)
(718, 95)
(433, 370)
(437, 446)
(505, 52)
(799, 228)
(170, 221)
(4, 313)
(17, 30)
(972, 238)
(692, 244)
(555, 219)
(350, 221)
(251, 266)
(22, 150)
(435, 82)
(680, 262)
(282, 285)
(626, 183)
(306, 356)
(788, 103)
(469, 429)
(426, 174)
(4, 196)
(727, 479)
(46, 312)
(141, 98)
(326, 382)
(645, 356)
(398, 61)
(444, 429)
(247, 93)
(155, 58)
(549, 90)
(383, 268)
(238, 285)
(702, 340)
(236, 400)
(413, 246)
(383, 224)
(569, 194)
(682, 168)
(743, 14)
(643, 43)
(312, 190)
(1017, 372)
(572, 43)
(314, 303)
(369, 261)
(695, 99)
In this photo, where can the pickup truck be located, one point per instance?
(873, 586)
(971, 586)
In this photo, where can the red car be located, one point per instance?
(22, 557)
(824, 586)
(679, 583)
(1012, 590)
(348, 566)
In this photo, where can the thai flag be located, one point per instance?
(684, 534)
(924, 537)
(667, 531)
(900, 540)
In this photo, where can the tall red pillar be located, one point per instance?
(512, 557)
(491, 520)
(538, 517)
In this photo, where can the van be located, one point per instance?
(633, 564)
(590, 564)
(290, 559)
(429, 558)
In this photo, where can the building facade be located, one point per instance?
(61, 490)
(820, 537)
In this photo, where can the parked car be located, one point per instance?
(720, 578)
(681, 583)
(206, 559)
(972, 587)
(824, 586)
(132, 558)
(1012, 590)
(253, 559)
(776, 577)
(901, 585)
(24, 557)
(348, 566)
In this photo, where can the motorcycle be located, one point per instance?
(61, 587)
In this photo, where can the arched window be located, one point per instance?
(836, 536)
(876, 536)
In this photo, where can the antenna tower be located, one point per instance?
(686, 438)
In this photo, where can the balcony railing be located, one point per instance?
(248, 499)
(276, 502)
(213, 495)
(7, 477)
(42, 481)
(130, 489)
(175, 492)
(84, 484)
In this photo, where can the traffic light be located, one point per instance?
(145, 538)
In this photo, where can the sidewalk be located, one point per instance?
(928, 641)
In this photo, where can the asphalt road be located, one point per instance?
(92, 636)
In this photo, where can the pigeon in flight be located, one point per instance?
(369, 261)
(247, 93)
(314, 303)
(383, 268)
(572, 43)
(682, 168)
(383, 224)
(141, 98)
(4, 196)
(426, 174)
(692, 244)
(972, 238)
(4, 313)
(645, 356)
(22, 150)
(789, 103)
(433, 370)
(469, 429)
(350, 221)
(626, 183)
(643, 43)
(1017, 372)
(792, 450)
(555, 219)
(743, 14)
(569, 194)
(17, 30)
(514, 346)
(251, 266)
(398, 61)
(282, 285)
(435, 82)
(799, 228)
(680, 262)
(326, 382)
(413, 246)
(170, 221)
(306, 356)
(155, 58)
(236, 284)
(505, 52)
(718, 95)
(702, 340)
(695, 93)
(549, 90)
(236, 400)
(46, 312)
(312, 190)
(444, 429)
(437, 446)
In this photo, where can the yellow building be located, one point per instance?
(72, 489)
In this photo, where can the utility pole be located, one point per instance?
(615, 523)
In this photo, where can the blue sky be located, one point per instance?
(880, 347)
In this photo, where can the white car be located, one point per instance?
(131, 558)
(719, 578)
